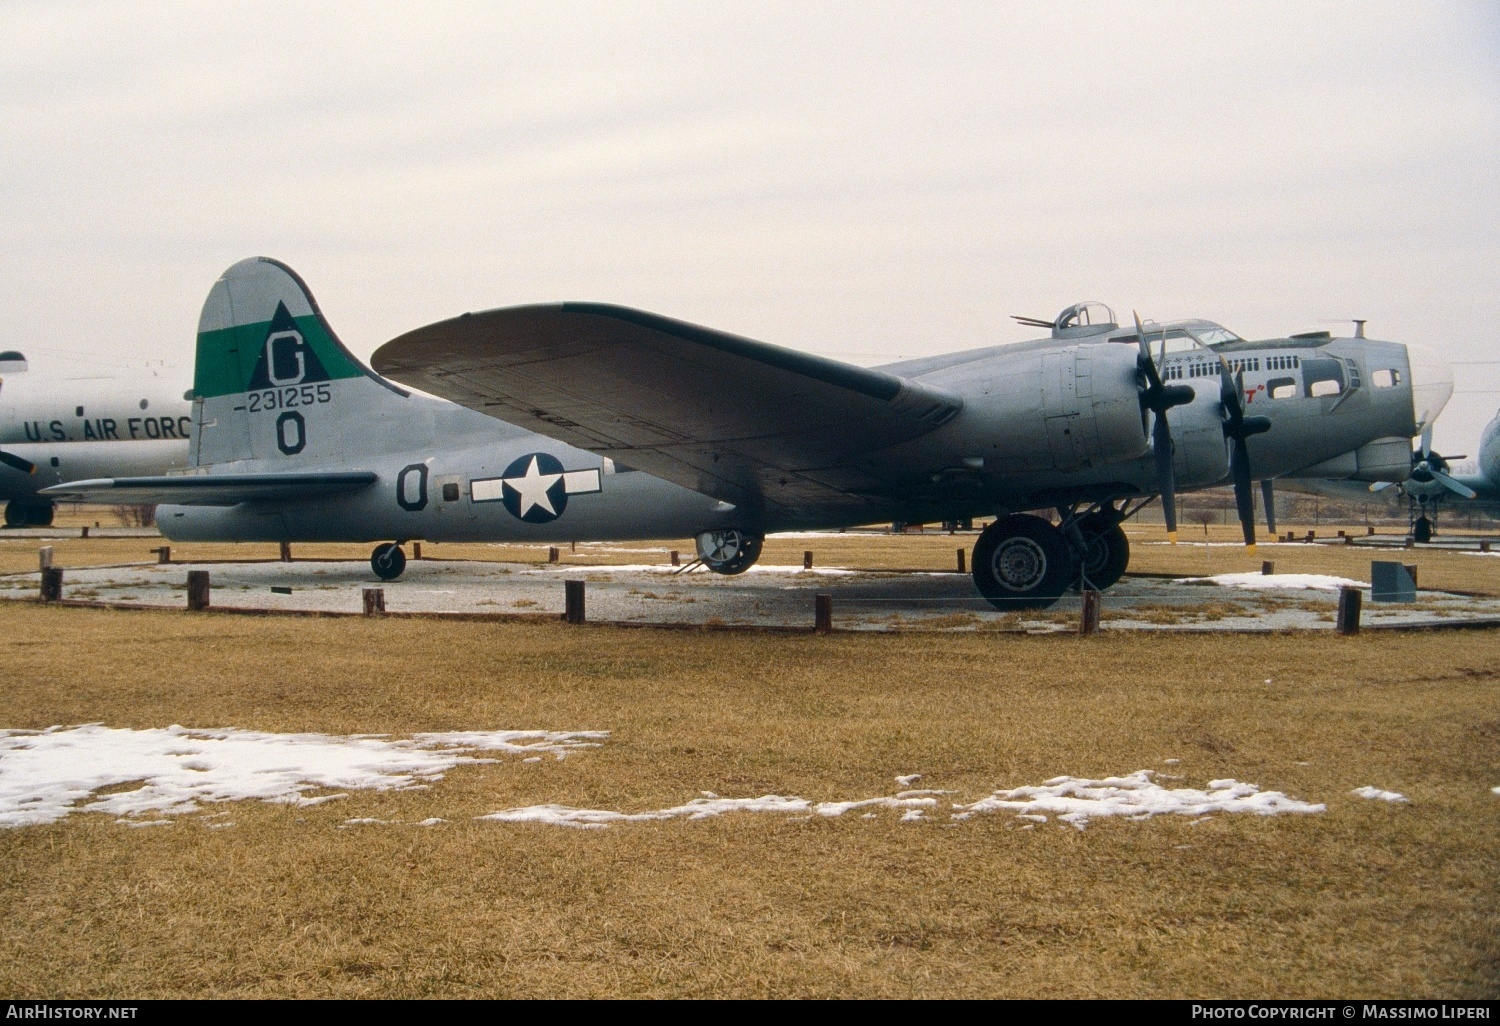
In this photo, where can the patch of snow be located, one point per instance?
(909, 779)
(45, 775)
(700, 808)
(1171, 762)
(1378, 794)
(1134, 796)
(1288, 582)
(1495, 790)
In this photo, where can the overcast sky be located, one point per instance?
(865, 180)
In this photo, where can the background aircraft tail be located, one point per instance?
(273, 383)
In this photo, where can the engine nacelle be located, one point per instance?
(1062, 408)
(1200, 455)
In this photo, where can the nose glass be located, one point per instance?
(1431, 386)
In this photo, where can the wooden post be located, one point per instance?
(573, 608)
(552, 554)
(1093, 601)
(1409, 543)
(163, 554)
(44, 557)
(197, 589)
(1369, 529)
(1484, 546)
(416, 550)
(374, 601)
(807, 559)
(1411, 568)
(961, 568)
(1342, 535)
(1348, 539)
(1311, 535)
(85, 533)
(52, 584)
(823, 614)
(676, 559)
(1349, 602)
(286, 552)
(1267, 567)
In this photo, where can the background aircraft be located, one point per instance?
(615, 423)
(59, 429)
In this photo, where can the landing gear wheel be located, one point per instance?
(729, 552)
(388, 561)
(1108, 549)
(1422, 530)
(1022, 562)
(29, 514)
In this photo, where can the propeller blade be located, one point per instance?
(1166, 475)
(1244, 497)
(1268, 499)
(12, 460)
(1454, 486)
(1380, 486)
(1426, 441)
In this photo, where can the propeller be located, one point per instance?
(12, 460)
(1268, 500)
(1428, 467)
(1158, 398)
(1238, 428)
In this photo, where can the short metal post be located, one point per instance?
(676, 559)
(807, 560)
(416, 550)
(1349, 603)
(573, 608)
(197, 592)
(823, 614)
(52, 584)
(44, 557)
(1411, 568)
(961, 568)
(1093, 602)
(374, 601)
(552, 554)
(286, 552)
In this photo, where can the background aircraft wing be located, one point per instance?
(210, 489)
(744, 421)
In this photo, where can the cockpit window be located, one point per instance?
(1212, 336)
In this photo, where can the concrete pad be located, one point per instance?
(764, 596)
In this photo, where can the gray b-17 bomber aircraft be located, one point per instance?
(583, 421)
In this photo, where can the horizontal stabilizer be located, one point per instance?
(210, 489)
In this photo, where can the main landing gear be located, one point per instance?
(33, 513)
(729, 552)
(1023, 562)
(1421, 529)
(388, 561)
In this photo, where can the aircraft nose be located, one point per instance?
(1431, 386)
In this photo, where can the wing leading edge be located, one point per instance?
(744, 421)
(211, 489)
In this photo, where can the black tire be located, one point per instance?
(388, 561)
(1022, 562)
(1422, 532)
(729, 552)
(1108, 550)
(19, 513)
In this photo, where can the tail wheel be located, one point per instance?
(729, 552)
(1022, 562)
(388, 561)
(1108, 549)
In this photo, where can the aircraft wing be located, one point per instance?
(210, 489)
(744, 421)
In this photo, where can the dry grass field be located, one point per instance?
(1366, 899)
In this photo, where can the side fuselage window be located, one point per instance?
(1322, 378)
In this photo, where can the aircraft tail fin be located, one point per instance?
(271, 380)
